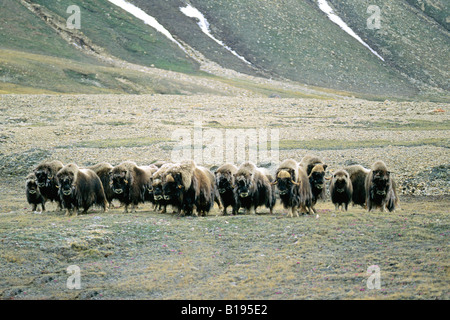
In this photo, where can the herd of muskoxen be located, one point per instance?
(190, 189)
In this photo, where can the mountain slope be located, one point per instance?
(294, 40)
(411, 41)
(291, 41)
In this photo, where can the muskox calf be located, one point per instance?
(293, 187)
(103, 171)
(129, 183)
(358, 175)
(80, 189)
(34, 196)
(253, 188)
(186, 185)
(341, 189)
(225, 186)
(380, 188)
(45, 174)
(315, 170)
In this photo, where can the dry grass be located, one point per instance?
(146, 255)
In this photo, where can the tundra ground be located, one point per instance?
(148, 255)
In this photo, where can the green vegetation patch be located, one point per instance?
(334, 144)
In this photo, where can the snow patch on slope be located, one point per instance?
(140, 14)
(192, 12)
(325, 7)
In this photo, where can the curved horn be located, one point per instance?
(274, 183)
(296, 183)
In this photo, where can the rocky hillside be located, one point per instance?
(289, 41)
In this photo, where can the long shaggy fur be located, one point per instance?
(103, 171)
(158, 178)
(186, 185)
(224, 177)
(45, 174)
(341, 189)
(358, 175)
(34, 196)
(129, 183)
(380, 188)
(253, 188)
(293, 187)
(315, 170)
(80, 188)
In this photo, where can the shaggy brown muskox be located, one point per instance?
(157, 182)
(225, 184)
(341, 189)
(315, 169)
(212, 180)
(148, 194)
(45, 174)
(253, 188)
(358, 175)
(293, 187)
(34, 196)
(129, 183)
(380, 188)
(80, 188)
(186, 185)
(103, 171)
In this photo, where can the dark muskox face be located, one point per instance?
(340, 181)
(380, 181)
(284, 182)
(224, 181)
(317, 177)
(119, 182)
(32, 186)
(65, 183)
(172, 187)
(243, 185)
(157, 190)
(43, 177)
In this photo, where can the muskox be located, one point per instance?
(341, 189)
(293, 187)
(103, 171)
(224, 176)
(157, 182)
(380, 188)
(149, 192)
(129, 183)
(186, 185)
(253, 188)
(80, 188)
(315, 169)
(358, 175)
(34, 196)
(45, 174)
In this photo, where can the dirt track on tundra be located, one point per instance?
(146, 255)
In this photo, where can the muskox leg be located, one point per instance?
(224, 211)
(42, 206)
(33, 207)
(126, 209)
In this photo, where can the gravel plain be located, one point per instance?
(147, 255)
